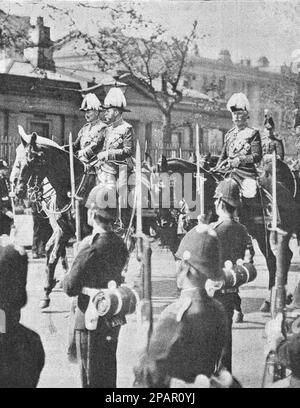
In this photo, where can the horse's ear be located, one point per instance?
(23, 135)
(33, 139)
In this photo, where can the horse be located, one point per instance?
(254, 212)
(45, 159)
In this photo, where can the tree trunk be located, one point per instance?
(167, 130)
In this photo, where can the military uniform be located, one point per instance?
(21, 352)
(187, 341)
(5, 207)
(270, 144)
(244, 144)
(90, 139)
(100, 260)
(118, 145)
(191, 333)
(234, 241)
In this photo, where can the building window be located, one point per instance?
(41, 128)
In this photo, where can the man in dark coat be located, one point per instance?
(22, 355)
(101, 259)
(191, 333)
(6, 215)
(270, 142)
(235, 243)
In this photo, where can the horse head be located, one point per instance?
(31, 164)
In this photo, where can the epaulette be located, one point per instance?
(184, 305)
(126, 125)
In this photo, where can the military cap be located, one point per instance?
(115, 99)
(3, 165)
(200, 249)
(90, 101)
(97, 202)
(238, 102)
(13, 275)
(228, 191)
(268, 122)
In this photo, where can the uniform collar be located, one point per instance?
(116, 122)
(192, 292)
(240, 129)
(225, 217)
(95, 122)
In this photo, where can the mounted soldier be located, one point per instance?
(91, 136)
(118, 144)
(6, 214)
(242, 149)
(270, 142)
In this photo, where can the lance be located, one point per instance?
(74, 199)
(138, 198)
(144, 253)
(200, 179)
(274, 371)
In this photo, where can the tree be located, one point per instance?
(14, 31)
(131, 43)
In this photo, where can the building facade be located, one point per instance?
(42, 91)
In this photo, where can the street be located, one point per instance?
(52, 323)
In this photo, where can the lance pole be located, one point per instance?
(200, 178)
(74, 198)
(274, 370)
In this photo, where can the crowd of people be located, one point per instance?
(193, 336)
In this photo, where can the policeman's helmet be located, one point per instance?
(13, 275)
(200, 249)
(238, 102)
(97, 202)
(90, 102)
(3, 165)
(115, 99)
(229, 192)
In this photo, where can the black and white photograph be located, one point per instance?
(150, 196)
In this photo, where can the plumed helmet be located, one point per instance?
(90, 101)
(13, 275)
(268, 122)
(3, 165)
(228, 190)
(200, 249)
(115, 99)
(238, 102)
(97, 201)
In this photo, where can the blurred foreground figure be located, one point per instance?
(21, 351)
(192, 332)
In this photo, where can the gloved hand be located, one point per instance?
(234, 162)
(9, 214)
(102, 156)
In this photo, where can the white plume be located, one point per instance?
(238, 101)
(90, 101)
(115, 98)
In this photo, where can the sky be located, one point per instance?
(247, 28)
